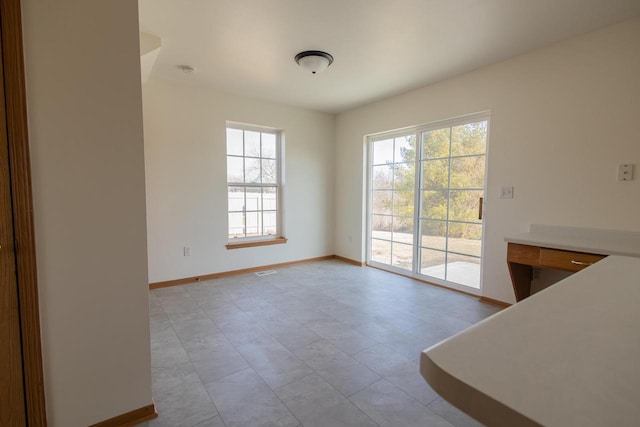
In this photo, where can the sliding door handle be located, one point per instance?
(480, 208)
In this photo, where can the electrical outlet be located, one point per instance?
(625, 172)
(187, 251)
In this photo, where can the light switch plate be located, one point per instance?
(506, 192)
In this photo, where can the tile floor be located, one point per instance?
(319, 344)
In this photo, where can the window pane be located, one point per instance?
(381, 251)
(234, 169)
(404, 149)
(251, 170)
(464, 205)
(254, 199)
(434, 234)
(467, 172)
(403, 203)
(381, 226)
(464, 270)
(435, 144)
(236, 199)
(382, 177)
(270, 198)
(236, 224)
(253, 223)
(402, 256)
(432, 263)
(404, 176)
(268, 146)
(269, 219)
(234, 142)
(434, 204)
(465, 238)
(381, 202)
(269, 172)
(435, 174)
(251, 143)
(383, 152)
(403, 229)
(469, 139)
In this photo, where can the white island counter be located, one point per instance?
(567, 356)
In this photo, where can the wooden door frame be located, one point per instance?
(20, 172)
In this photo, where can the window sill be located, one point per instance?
(252, 243)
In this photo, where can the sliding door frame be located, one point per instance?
(417, 131)
(369, 141)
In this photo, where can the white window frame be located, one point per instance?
(278, 237)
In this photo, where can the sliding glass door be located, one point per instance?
(392, 201)
(425, 206)
(451, 191)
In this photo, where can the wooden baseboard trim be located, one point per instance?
(349, 261)
(495, 302)
(131, 418)
(157, 285)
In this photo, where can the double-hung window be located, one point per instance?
(253, 185)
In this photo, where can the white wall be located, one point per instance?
(185, 154)
(562, 119)
(85, 124)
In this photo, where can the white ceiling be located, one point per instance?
(381, 47)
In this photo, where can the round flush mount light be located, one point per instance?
(186, 69)
(314, 61)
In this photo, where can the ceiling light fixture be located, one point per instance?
(315, 61)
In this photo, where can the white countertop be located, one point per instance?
(604, 242)
(566, 356)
